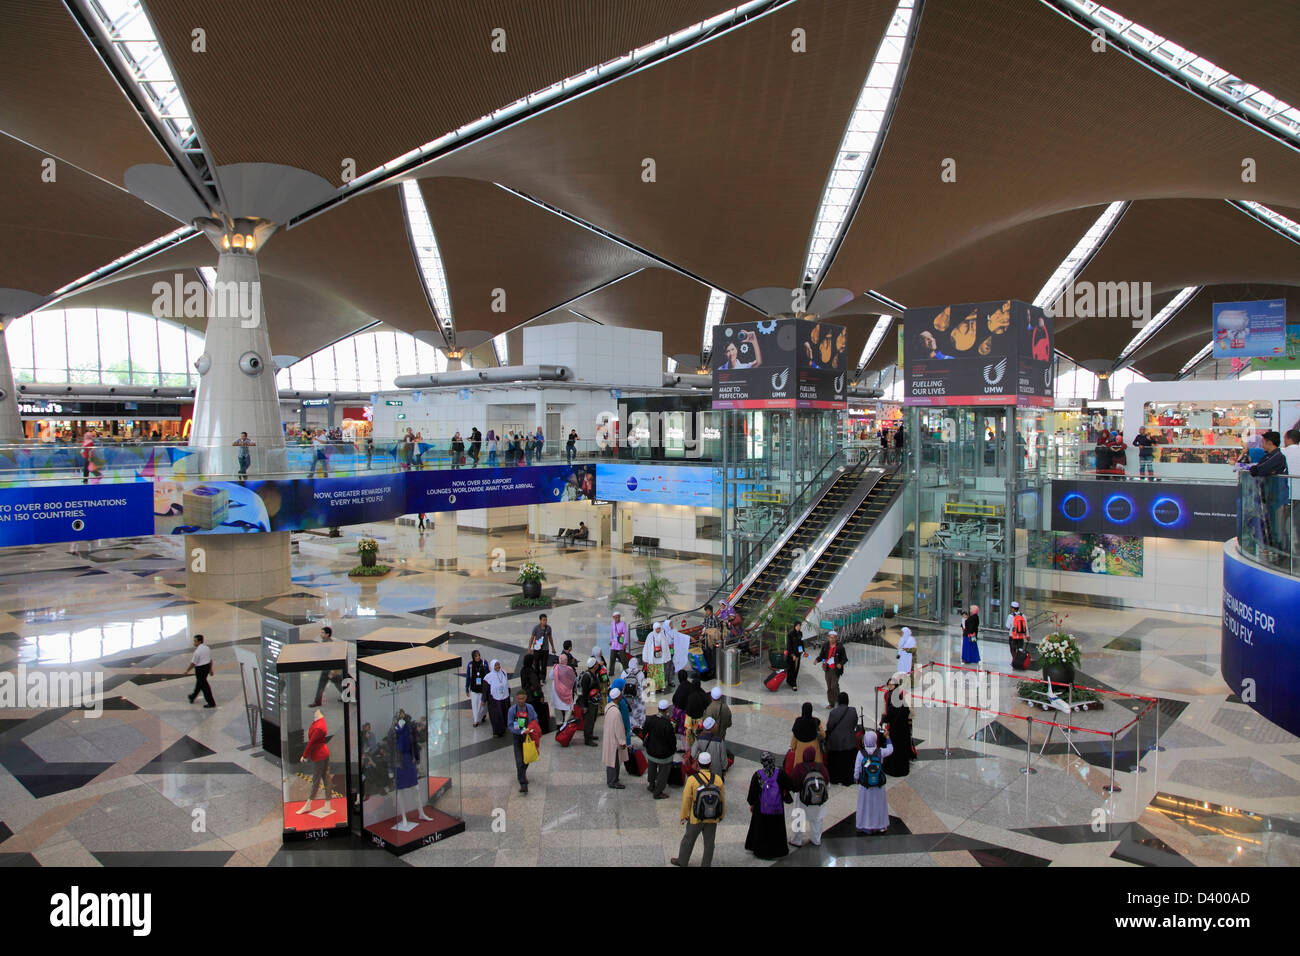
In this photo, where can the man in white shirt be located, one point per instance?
(201, 664)
(1291, 451)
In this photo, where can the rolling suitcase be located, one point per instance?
(1020, 657)
(700, 665)
(636, 763)
(564, 736)
(675, 778)
(774, 682)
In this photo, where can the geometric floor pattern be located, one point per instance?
(156, 781)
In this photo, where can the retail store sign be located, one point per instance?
(40, 408)
(315, 402)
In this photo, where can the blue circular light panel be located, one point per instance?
(1120, 509)
(1071, 511)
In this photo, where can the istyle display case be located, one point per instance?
(315, 740)
(409, 742)
(386, 639)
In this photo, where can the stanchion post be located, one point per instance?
(1160, 748)
(1029, 732)
(1137, 746)
(1112, 788)
(947, 718)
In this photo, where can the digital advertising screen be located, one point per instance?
(977, 353)
(779, 363)
(1250, 329)
(655, 483)
(1158, 509)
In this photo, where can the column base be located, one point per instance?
(237, 567)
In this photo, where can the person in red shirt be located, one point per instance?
(88, 456)
(318, 752)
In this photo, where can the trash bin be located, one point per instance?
(729, 668)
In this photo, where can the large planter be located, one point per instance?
(1061, 675)
(532, 589)
(368, 558)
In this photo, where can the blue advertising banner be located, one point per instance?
(462, 488)
(656, 483)
(1159, 509)
(1259, 649)
(1250, 329)
(43, 514)
(292, 504)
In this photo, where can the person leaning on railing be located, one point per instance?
(1273, 487)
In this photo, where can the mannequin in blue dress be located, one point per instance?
(970, 628)
(406, 770)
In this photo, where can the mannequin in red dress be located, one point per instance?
(318, 752)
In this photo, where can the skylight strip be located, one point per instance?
(148, 249)
(1198, 358)
(1079, 256)
(1160, 320)
(873, 341)
(1213, 80)
(140, 53)
(853, 158)
(1270, 217)
(502, 347)
(712, 316)
(425, 245)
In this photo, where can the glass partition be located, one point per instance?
(1268, 521)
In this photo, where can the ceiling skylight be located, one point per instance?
(1288, 227)
(502, 348)
(1160, 320)
(1198, 358)
(874, 339)
(425, 244)
(712, 316)
(1079, 256)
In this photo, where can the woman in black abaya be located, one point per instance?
(769, 792)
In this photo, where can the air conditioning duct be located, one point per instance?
(487, 376)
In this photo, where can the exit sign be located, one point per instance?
(391, 402)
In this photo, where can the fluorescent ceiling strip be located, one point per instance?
(1200, 72)
(712, 316)
(1288, 227)
(672, 365)
(1079, 256)
(859, 142)
(139, 51)
(175, 236)
(502, 348)
(209, 276)
(426, 253)
(564, 87)
(1198, 358)
(874, 339)
(1160, 320)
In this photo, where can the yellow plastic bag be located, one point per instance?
(530, 751)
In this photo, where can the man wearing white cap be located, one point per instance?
(1017, 631)
(660, 748)
(720, 712)
(588, 698)
(658, 651)
(614, 749)
(617, 643)
(703, 807)
(709, 744)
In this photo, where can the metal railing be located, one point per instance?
(1268, 521)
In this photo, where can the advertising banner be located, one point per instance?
(1282, 363)
(1249, 329)
(779, 363)
(44, 514)
(655, 483)
(464, 488)
(1162, 509)
(977, 353)
(1259, 649)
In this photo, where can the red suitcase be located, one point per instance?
(775, 681)
(564, 736)
(636, 763)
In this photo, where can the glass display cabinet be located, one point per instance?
(385, 639)
(409, 740)
(315, 741)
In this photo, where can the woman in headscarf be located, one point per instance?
(498, 685)
(680, 696)
(898, 725)
(681, 645)
(563, 677)
(697, 701)
(769, 792)
(530, 682)
(634, 692)
(657, 652)
(474, 686)
(970, 632)
(906, 648)
(841, 741)
(813, 813)
(869, 772)
(807, 732)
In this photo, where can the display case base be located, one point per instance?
(313, 825)
(386, 835)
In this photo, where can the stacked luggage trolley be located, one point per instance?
(855, 622)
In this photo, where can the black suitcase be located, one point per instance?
(1020, 658)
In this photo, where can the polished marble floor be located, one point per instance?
(156, 780)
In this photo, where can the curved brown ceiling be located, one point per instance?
(56, 94)
(654, 299)
(1173, 243)
(1257, 41)
(308, 86)
(490, 240)
(54, 232)
(741, 129)
(1037, 124)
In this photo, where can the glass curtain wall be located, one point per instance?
(102, 347)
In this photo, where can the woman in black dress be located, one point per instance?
(898, 724)
(769, 792)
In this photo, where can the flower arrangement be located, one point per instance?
(530, 571)
(367, 545)
(1060, 647)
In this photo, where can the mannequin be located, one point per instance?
(406, 771)
(318, 752)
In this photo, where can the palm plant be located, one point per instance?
(645, 597)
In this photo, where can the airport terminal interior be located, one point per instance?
(801, 433)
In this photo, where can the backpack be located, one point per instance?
(813, 792)
(873, 771)
(770, 802)
(708, 799)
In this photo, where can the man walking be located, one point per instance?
(618, 643)
(793, 655)
(703, 807)
(201, 664)
(475, 444)
(518, 717)
(327, 634)
(660, 749)
(831, 659)
(542, 643)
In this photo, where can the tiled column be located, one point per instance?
(237, 567)
(11, 427)
(444, 550)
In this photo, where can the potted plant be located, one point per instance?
(784, 613)
(368, 548)
(1059, 652)
(531, 577)
(645, 598)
